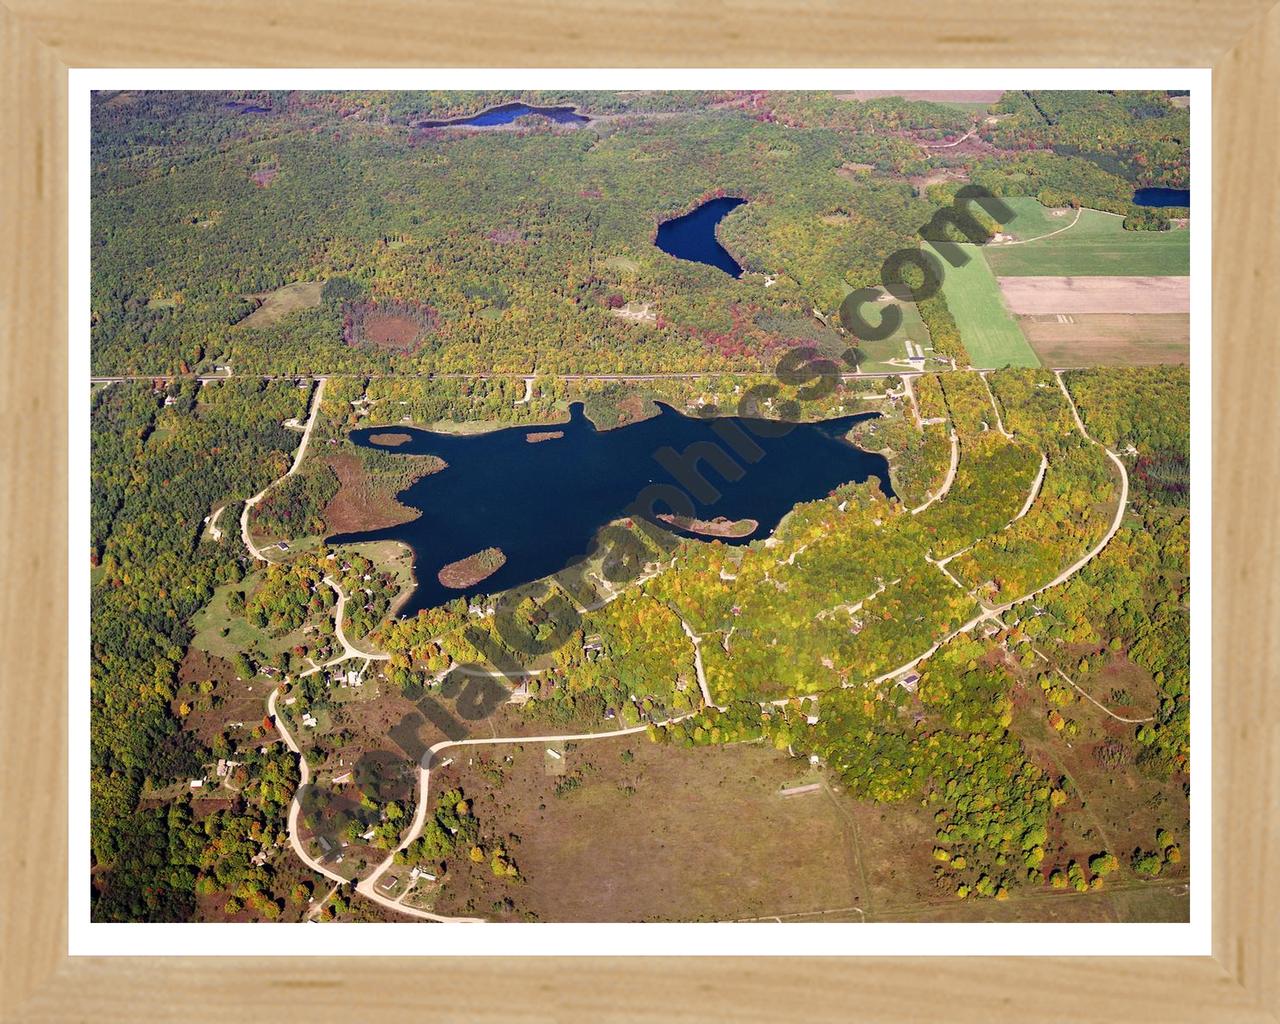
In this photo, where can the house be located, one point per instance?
(197, 783)
(910, 682)
(308, 720)
(222, 768)
(325, 845)
(283, 545)
(555, 753)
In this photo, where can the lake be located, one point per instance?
(693, 235)
(241, 107)
(508, 112)
(541, 502)
(1162, 197)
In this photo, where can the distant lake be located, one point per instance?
(508, 112)
(693, 236)
(1162, 197)
(541, 502)
(241, 107)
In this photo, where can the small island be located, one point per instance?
(467, 572)
(391, 440)
(543, 435)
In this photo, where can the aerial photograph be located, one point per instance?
(639, 506)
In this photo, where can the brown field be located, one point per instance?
(283, 301)
(936, 95)
(392, 331)
(704, 833)
(1109, 339)
(1036, 295)
(1113, 808)
(237, 701)
(674, 834)
(360, 504)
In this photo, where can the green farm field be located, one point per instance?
(1031, 220)
(1096, 246)
(987, 328)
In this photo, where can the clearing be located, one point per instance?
(628, 830)
(888, 354)
(1031, 220)
(1097, 245)
(987, 329)
(1035, 295)
(1109, 339)
(964, 99)
(280, 303)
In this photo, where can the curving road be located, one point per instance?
(951, 475)
(1062, 577)
(316, 398)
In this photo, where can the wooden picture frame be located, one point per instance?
(41, 39)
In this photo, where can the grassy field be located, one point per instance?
(877, 354)
(988, 330)
(1109, 339)
(283, 301)
(1031, 220)
(626, 830)
(1097, 246)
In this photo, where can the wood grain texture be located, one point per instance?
(38, 40)
(33, 519)
(1246, 310)
(653, 33)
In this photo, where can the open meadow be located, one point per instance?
(1095, 246)
(988, 330)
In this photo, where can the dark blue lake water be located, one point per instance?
(240, 107)
(693, 236)
(1162, 197)
(542, 502)
(508, 112)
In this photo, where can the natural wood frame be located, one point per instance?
(40, 39)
